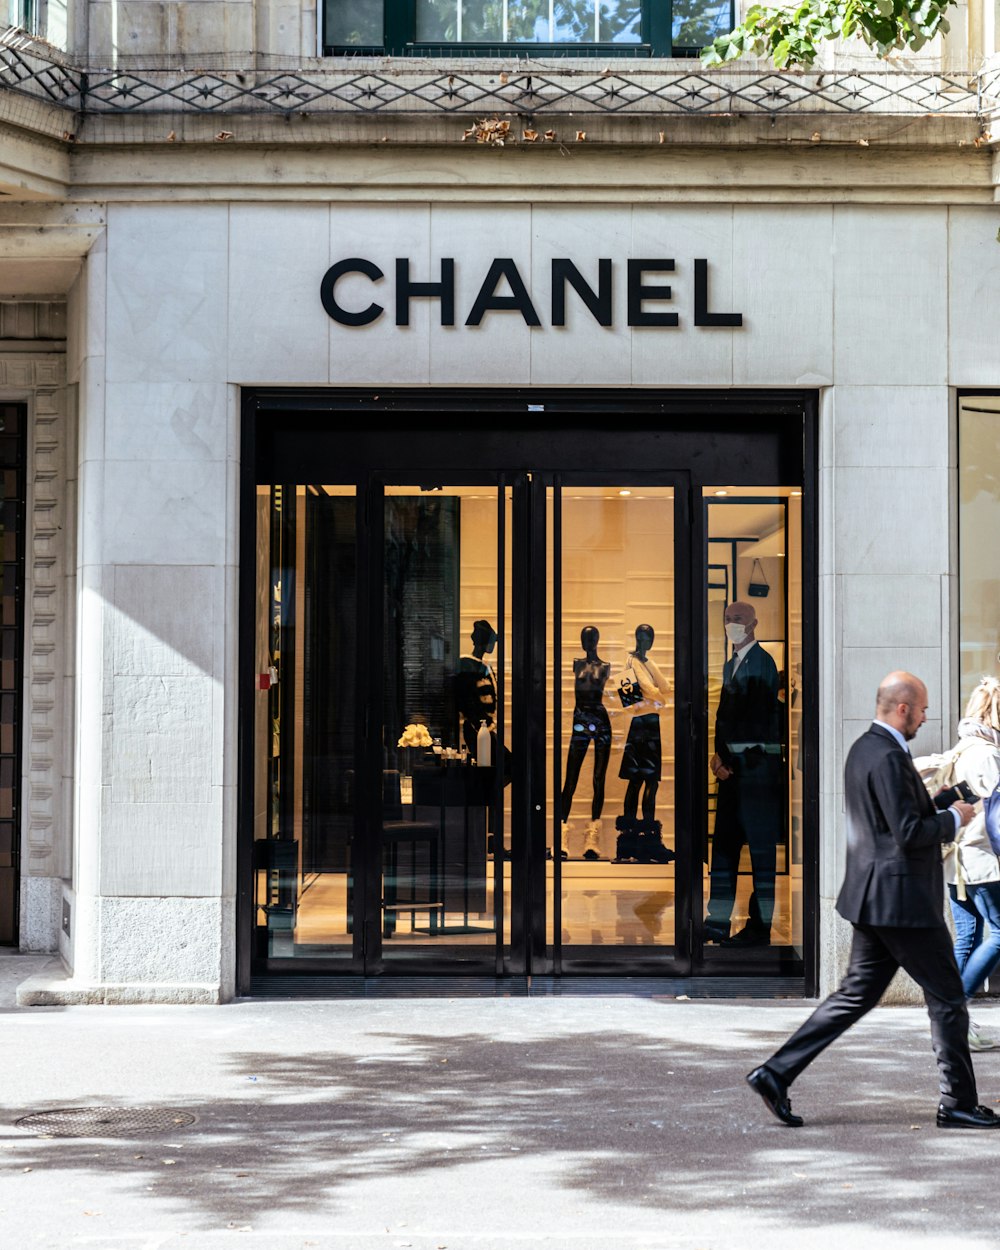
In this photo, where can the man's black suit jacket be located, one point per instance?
(749, 710)
(894, 836)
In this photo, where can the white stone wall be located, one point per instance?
(885, 310)
(156, 646)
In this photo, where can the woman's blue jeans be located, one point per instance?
(977, 933)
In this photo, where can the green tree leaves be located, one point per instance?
(792, 35)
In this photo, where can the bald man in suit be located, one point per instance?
(893, 895)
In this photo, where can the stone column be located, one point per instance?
(157, 632)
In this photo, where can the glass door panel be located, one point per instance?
(304, 722)
(612, 794)
(445, 741)
(753, 860)
(476, 741)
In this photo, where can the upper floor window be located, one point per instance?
(22, 13)
(550, 27)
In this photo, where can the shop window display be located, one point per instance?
(753, 854)
(627, 868)
(612, 884)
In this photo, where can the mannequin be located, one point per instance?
(642, 758)
(476, 696)
(590, 724)
(476, 686)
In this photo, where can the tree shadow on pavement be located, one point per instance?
(652, 1122)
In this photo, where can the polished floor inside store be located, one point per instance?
(602, 904)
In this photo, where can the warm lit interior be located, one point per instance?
(446, 857)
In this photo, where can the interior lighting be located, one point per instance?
(796, 494)
(624, 492)
(722, 492)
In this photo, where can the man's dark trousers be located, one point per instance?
(878, 950)
(750, 810)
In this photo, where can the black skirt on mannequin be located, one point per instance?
(642, 757)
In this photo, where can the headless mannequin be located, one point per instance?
(590, 724)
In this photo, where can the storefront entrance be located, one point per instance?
(482, 653)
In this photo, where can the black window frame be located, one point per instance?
(279, 431)
(399, 39)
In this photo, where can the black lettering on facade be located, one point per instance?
(639, 292)
(443, 290)
(564, 272)
(488, 301)
(702, 317)
(599, 301)
(354, 264)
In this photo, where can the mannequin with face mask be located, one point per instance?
(748, 765)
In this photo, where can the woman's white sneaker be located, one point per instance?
(978, 1040)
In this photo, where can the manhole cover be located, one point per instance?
(105, 1121)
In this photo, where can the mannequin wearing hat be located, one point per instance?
(476, 685)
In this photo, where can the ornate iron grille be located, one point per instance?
(32, 68)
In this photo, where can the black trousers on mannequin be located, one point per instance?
(878, 950)
(590, 724)
(750, 810)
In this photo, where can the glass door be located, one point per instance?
(443, 758)
(552, 720)
(619, 836)
(757, 695)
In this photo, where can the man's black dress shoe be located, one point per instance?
(966, 1117)
(775, 1095)
(748, 937)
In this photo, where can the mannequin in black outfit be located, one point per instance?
(476, 696)
(641, 759)
(590, 724)
(475, 685)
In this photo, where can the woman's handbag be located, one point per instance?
(630, 692)
(757, 589)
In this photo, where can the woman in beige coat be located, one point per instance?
(972, 869)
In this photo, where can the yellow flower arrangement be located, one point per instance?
(415, 735)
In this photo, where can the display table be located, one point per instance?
(457, 795)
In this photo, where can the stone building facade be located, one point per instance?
(180, 184)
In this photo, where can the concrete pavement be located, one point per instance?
(483, 1124)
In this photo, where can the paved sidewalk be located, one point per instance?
(483, 1124)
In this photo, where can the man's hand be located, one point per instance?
(719, 770)
(965, 811)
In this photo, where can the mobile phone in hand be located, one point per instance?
(961, 790)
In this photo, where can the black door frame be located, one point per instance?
(714, 435)
(585, 961)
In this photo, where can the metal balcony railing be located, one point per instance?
(521, 88)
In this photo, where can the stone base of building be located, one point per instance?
(41, 909)
(50, 989)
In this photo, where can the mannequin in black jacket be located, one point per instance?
(749, 768)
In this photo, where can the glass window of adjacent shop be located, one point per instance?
(552, 27)
(753, 860)
(978, 526)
